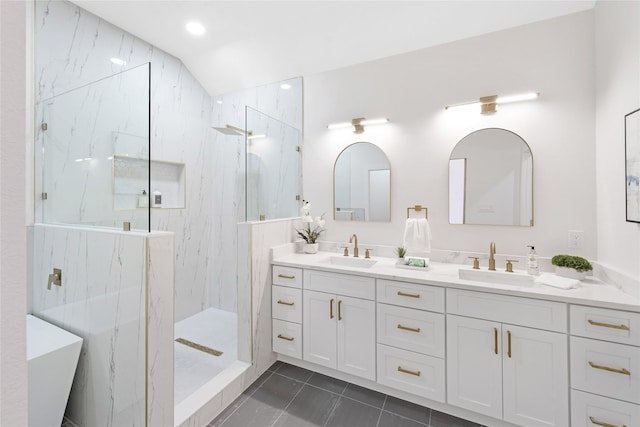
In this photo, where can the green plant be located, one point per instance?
(571, 261)
(401, 251)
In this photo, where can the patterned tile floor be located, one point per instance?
(289, 396)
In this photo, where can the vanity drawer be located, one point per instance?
(605, 368)
(534, 313)
(286, 303)
(411, 372)
(342, 284)
(287, 276)
(593, 411)
(412, 295)
(287, 338)
(410, 329)
(605, 324)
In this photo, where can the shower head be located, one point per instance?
(230, 130)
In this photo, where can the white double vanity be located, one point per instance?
(527, 355)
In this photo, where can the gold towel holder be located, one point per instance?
(418, 208)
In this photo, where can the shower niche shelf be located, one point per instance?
(131, 177)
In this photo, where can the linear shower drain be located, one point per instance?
(199, 347)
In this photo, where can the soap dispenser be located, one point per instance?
(532, 262)
(143, 199)
(156, 199)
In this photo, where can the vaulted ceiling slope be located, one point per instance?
(251, 43)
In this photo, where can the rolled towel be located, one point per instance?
(557, 281)
(417, 235)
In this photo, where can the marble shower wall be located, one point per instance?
(228, 204)
(108, 278)
(73, 48)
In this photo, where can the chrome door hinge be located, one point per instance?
(44, 196)
(44, 126)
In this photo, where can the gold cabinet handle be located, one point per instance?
(404, 294)
(407, 328)
(331, 308)
(606, 368)
(509, 344)
(285, 303)
(608, 325)
(340, 310)
(282, 337)
(495, 340)
(284, 276)
(406, 371)
(602, 423)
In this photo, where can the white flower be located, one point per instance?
(307, 218)
(306, 208)
(319, 221)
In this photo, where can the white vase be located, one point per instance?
(571, 273)
(310, 248)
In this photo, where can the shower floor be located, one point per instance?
(214, 329)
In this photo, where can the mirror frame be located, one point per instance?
(334, 181)
(531, 221)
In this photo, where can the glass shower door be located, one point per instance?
(272, 167)
(94, 153)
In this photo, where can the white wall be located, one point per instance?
(617, 94)
(554, 57)
(13, 358)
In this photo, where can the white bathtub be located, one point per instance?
(52, 357)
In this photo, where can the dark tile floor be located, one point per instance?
(288, 396)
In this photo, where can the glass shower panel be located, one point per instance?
(95, 153)
(273, 167)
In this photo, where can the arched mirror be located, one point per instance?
(362, 184)
(491, 179)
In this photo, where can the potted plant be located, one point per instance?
(571, 266)
(312, 229)
(401, 251)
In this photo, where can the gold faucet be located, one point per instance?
(492, 260)
(355, 245)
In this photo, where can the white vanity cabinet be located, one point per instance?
(286, 311)
(605, 367)
(410, 339)
(338, 322)
(507, 357)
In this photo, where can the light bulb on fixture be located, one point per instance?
(488, 104)
(357, 125)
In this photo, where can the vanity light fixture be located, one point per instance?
(357, 125)
(488, 104)
(118, 61)
(285, 86)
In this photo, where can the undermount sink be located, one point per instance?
(352, 262)
(519, 278)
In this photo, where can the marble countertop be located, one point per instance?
(591, 291)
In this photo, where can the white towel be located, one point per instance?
(417, 235)
(557, 281)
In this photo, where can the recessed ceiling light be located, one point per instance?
(195, 28)
(285, 86)
(219, 101)
(117, 61)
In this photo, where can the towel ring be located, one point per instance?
(419, 208)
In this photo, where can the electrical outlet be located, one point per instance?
(575, 239)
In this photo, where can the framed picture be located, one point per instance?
(632, 164)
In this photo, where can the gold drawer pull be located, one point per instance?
(285, 303)
(495, 340)
(284, 276)
(404, 294)
(331, 308)
(406, 371)
(602, 423)
(609, 325)
(509, 344)
(407, 328)
(606, 368)
(282, 337)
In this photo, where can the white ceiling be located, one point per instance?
(251, 43)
